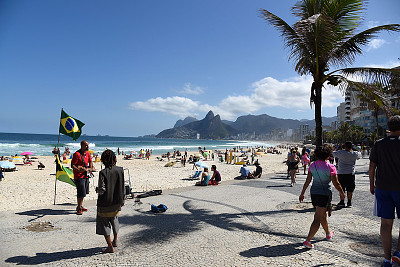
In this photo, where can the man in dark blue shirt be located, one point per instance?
(384, 176)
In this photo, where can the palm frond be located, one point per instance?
(318, 37)
(346, 13)
(290, 36)
(347, 49)
(375, 96)
(372, 75)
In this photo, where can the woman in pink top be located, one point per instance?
(322, 174)
(306, 161)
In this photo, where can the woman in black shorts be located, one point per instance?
(293, 165)
(322, 174)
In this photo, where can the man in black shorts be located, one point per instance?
(346, 171)
(82, 165)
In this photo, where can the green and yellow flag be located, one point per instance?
(70, 126)
(64, 174)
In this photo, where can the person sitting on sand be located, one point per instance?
(258, 172)
(111, 191)
(40, 166)
(244, 171)
(205, 178)
(216, 178)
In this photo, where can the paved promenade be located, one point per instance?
(239, 223)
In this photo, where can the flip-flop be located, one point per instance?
(105, 250)
(113, 244)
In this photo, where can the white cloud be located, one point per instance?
(269, 92)
(176, 105)
(373, 23)
(189, 89)
(390, 64)
(292, 93)
(375, 44)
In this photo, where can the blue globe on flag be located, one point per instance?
(69, 124)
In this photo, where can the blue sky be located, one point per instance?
(130, 68)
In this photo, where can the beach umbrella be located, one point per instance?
(7, 165)
(201, 164)
(27, 153)
(90, 151)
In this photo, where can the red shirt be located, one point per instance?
(77, 160)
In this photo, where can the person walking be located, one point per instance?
(346, 171)
(322, 174)
(111, 196)
(384, 178)
(82, 166)
(293, 165)
(305, 160)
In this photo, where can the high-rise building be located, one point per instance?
(341, 113)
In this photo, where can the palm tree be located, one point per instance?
(357, 134)
(325, 37)
(345, 132)
(376, 98)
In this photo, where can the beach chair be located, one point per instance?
(196, 175)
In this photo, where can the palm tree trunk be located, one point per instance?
(318, 118)
(377, 124)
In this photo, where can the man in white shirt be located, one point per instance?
(244, 171)
(346, 171)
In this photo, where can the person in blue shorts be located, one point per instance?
(384, 177)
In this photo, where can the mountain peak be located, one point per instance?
(209, 116)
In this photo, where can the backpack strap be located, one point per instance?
(83, 159)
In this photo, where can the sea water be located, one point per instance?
(43, 144)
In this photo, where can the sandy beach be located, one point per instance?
(29, 187)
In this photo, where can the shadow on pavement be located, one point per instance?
(282, 185)
(161, 227)
(41, 258)
(43, 212)
(275, 251)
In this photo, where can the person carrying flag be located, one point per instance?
(82, 166)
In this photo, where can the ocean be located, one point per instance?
(43, 144)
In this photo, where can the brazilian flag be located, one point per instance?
(64, 174)
(70, 126)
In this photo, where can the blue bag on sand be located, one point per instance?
(159, 208)
(162, 207)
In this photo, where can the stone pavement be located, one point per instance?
(238, 223)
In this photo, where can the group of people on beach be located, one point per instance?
(384, 176)
(384, 173)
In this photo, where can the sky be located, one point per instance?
(132, 68)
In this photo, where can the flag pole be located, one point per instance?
(55, 182)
